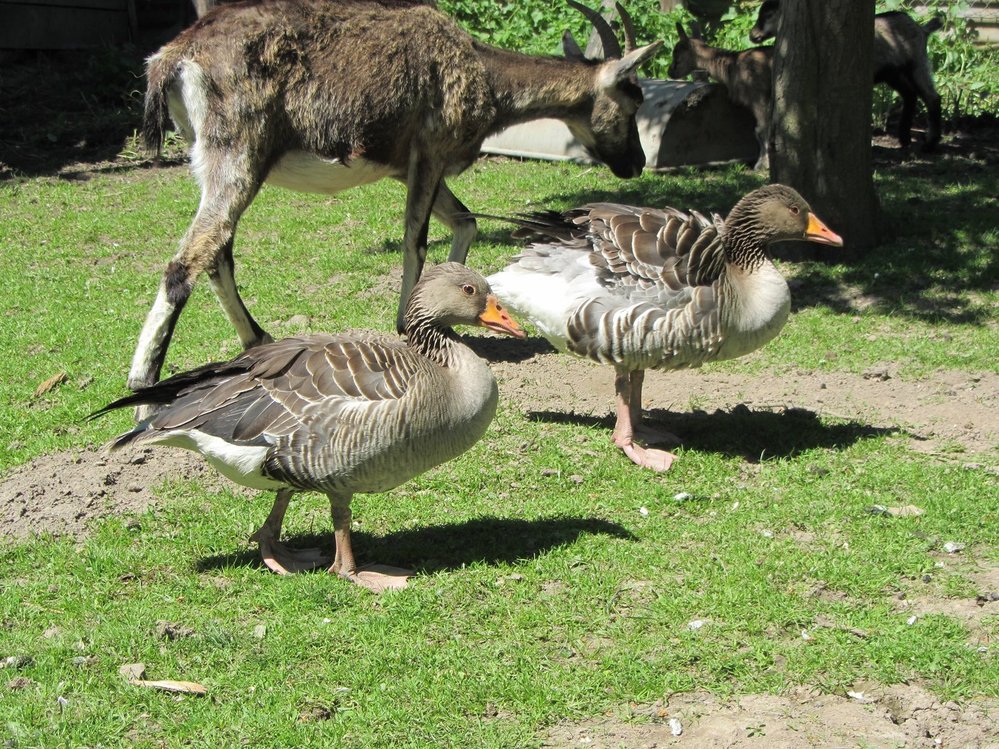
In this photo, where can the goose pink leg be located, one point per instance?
(628, 389)
(374, 577)
(640, 430)
(278, 557)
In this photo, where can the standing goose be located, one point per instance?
(649, 288)
(338, 414)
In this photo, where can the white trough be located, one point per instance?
(679, 123)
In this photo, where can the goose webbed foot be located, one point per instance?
(657, 460)
(377, 577)
(274, 554)
(285, 561)
(374, 577)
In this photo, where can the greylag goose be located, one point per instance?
(339, 414)
(650, 288)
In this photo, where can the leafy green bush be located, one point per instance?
(967, 75)
(536, 26)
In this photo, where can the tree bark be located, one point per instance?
(822, 114)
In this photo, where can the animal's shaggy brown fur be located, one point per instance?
(323, 95)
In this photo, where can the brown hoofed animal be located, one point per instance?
(899, 59)
(324, 95)
(747, 74)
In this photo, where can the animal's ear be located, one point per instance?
(680, 31)
(695, 30)
(570, 48)
(620, 70)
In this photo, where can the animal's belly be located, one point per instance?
(371, 468)
(306, 172)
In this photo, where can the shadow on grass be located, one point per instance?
(495, 349)
(755, 435)
(447, 547)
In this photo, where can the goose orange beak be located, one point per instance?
(816, 231)
(498, 319)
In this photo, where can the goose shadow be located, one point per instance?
(757, 435)
(495, 349)
(431, 548)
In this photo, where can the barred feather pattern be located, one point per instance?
(660, 288)
(661, 268)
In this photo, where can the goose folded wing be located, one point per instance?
(654, 255)
(285, 385)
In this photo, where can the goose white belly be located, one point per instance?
(757, 309)
(548, 299)
(242, 464)
(307, 172)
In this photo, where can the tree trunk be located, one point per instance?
(822, 113)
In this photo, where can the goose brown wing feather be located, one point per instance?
(366, 370)
(645, 247)
(282, 383)
(654, 253)
(257, 419)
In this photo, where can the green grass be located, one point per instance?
(540, 596)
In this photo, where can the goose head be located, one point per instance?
(452, 294)
(773, 213)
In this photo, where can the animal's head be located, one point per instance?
(684, 61)
(775, 213)
(608, 130)
(453, 294)
(766, 22)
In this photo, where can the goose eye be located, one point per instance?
(468, 289)
(795, 210)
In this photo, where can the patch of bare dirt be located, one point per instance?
(875, 716)
(978, 613)
(62, 492)
(951, 413)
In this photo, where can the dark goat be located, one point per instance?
(747, 75)
(899, 60)
(324, 95)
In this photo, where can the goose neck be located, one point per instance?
(744, 245)
(435, 343)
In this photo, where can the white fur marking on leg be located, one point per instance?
(154, 331)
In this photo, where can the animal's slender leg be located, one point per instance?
(421, 193)
(453, 214)
(763, 114)
(223, 281)
(374, 577)
(763, 160)
(908, 94)
(226, 191)
(276, 555)
(657, 460)
(922, 79)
